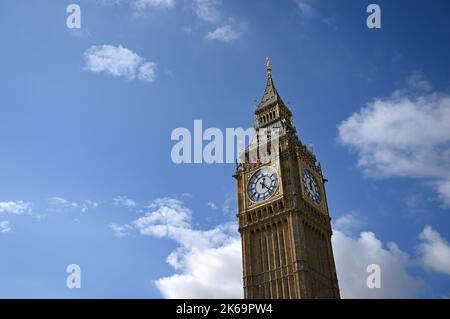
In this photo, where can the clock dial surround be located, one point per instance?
(262, 185)
(311, 187)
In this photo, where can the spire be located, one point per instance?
(268, 66)
(270, 95)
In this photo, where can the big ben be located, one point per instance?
(283, 214)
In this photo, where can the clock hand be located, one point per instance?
(263, 184)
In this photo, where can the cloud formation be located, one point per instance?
(15, 207)
(120, 230)
(207, 10)
(347, 223)
(87, 205)
(207, 263)
(354, 254)
(305, 7)
(118, 61)
(61, 202)
(404, 135)
(434, 251)
(212, 205)
(206, 273)
(5, 227)
(225, 28)
(226, 33)
(58, 204)
(142, 4)
(123, 201)
(169, 218)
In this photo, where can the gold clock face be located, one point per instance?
(263, 184)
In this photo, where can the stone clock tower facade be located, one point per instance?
(283, 215)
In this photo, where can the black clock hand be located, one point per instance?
(263, 184)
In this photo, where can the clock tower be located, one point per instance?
(283, 214)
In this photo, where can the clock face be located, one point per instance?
(262, 185)
(311, 187)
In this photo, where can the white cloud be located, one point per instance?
(208, 263)
(61, 203)
(88, 204)
(5, 227)
(18, 208)
(227, 33)
(120, 230)
(229, 204)
(353, 255)
(123, 201)
(206, 273)
(415, 81)
(15, 207)
(305, 7)
(147, 72)
(443, 189)
(169, 218)
(226, 29)
(119, 62)
(142, 4)
(212, 205)
(347, 223)
(207, 10)
(215, 272)
(434, 251)
(404, 135)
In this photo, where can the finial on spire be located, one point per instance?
(268, 65)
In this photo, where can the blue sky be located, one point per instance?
(86, 118)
